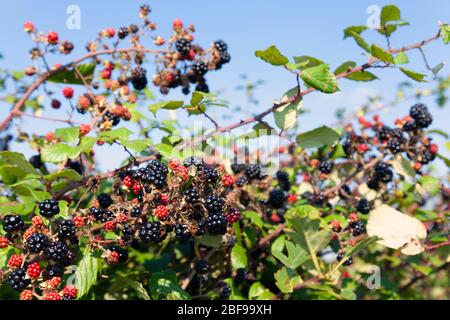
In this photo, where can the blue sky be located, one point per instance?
(296, 27)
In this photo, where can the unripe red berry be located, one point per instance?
(275, 218)
(433, 148)
(52, 296)
(353, 216)
(362, 148)
(55, 282)
(161, 212)
(30, 71)
(106, 74)
(177, 24)
(174, 164)
(68, 92)
(69, 291)
(233, 215)
(128, 181)
(34, 270)
(52, 37)
(78, 221)
(163, 199)
(122, 218)
(137, 187)
(50, 136)
(84, 102)
(26, 295)
(292, 198)
(4, 242)
(15, 261)
(227, 180)
(110, 225)
(37, 222)
(113, 257)
(28, 27)
(84, 129)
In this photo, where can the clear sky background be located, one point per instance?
(296, 27)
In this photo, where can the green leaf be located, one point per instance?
(38, 195)
(86, 272)
(137, 287)
(360, 41)
(259, 292)
(136, 145)
(401, 58)
(64, 173)
(403, 166)
(169, 105)
(381, 54)
(356, 76)
(321, 78)
(213, 241)
(11, 174)
(286, 279)
(17, 159)
(69, 134)
(445, 33)
(389, 13)
(254, 218)
(59, 152)
(286, 116)
(167, 151)
(305, 62)
(419, 77)
(349, 31)
(319, 137)
(164, 285)
(116, 134)
(238, 257)
(296, 254)
(437, 68)
(272, 55)
(63, 209)
(197, 97)
(72, 77)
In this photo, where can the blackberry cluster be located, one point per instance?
(384, 133)
(202, 87)
(426, 157)
(192, 195)
(253, 171)
(49, 208)
(220, 45)
(216, 223)
(100, 214)
(241, 181)
(183, 46)
(36, 161)
(357, 228)
(394, 145)
(211, 175)
(383, 172)
(223, 289)
(67, 230)
(136, 212)
(104, 200)
(276, 198)
(347, 262)
(364, 206)
(283, 180)
(17, 279)
(154, 173)
(345, 191)
(237, 167)
(422, 117)
(193, 161)
(37, 242)
(151, 232)
(53, 270)
(123, 253)
(224, 56)
(122, 33)
(58, 252)
(12, 223)
(326, 167)
(182, 232)
(214, 204)
(139, 78)
(75, 166)
(201, 267)
(200, 67)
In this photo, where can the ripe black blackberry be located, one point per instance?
(200, 67)
(12, 223)
(57, 251)
(104, 200)
(202, 87)
(49, 208)
(347, 262)
(214, 204)
(202, 267)
(74, 165)
(357, 228)
(237, 167)
(224, 57)
(241, 276)
(253, 171)
(384, 133)
(326, 167)
(183, 46)
(123, 253)
(122, 33)
(100, 214)
(419, 112)
(364, 206)
(185, 90)
(394, 145)
(426, 157)
(223, 289)
(348, 146)
(36, 161)
(216, 223)
(157, 178)
(108, 116)
(220, 45)
(410, 126)
(127, 235)
(241, 181)
(283, 180)
(17, 279)
(277, 198)
(135, 212)
(151, 232)
(37, 242)
(192, 195)
(157, 166)
(182, 232)
(67, 230)
(53, 270)
(193, 161)
(55, 103)
(210, 175)
(373, 183)
(383, 172)
(139, 78)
